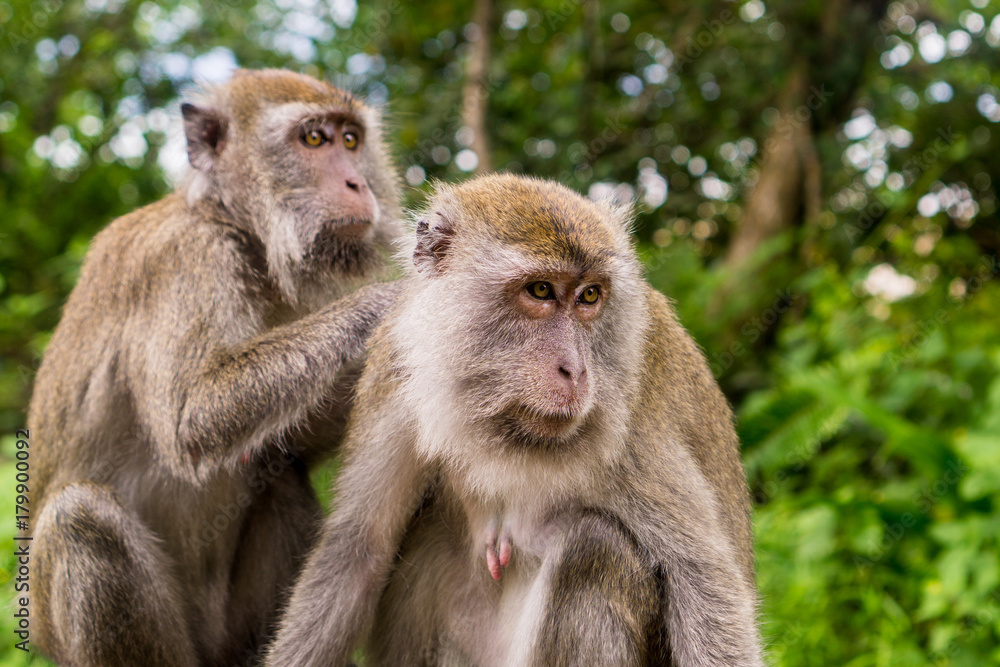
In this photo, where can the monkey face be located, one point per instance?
(333, 147)
(538, 317)
(301, 164)
(556, 313)
(531, 347)
(333, 208)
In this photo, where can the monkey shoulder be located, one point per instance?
(683, 405)
(677, 383)
(91, 330)
(671, 360)
(680, 402)
(383, 373)
(675, 364)
(168, 255)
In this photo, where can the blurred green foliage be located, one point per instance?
(859, 345)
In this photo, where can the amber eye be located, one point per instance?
(591, 295)
(540, 290)
(350, 141)
(314, 138)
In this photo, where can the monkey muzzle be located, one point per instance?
(350, 227)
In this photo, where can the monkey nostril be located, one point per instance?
(352, 185)
(565, 373)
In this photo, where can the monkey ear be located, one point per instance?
(206, 131)
(433, 243)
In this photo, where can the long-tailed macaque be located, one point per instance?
(178, 404)
(530, 400)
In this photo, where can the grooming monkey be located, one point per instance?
(530, 399)
(175, 410)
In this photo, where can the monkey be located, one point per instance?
(202, 364)
(530, 399)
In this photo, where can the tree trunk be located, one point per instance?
(594, 63)
(788, 164)
(835, 42)
(476, 93)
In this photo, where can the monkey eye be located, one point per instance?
(350, 140)
(590, 295)
(540, 290)
(314, 138)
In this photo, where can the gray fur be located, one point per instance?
(194, 377)
(631, 534)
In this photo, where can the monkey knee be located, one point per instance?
(92, 537)
(82, 518)
(604, 599)
(88, 562)
(599, 551)
(104, 595)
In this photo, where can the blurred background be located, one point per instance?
(817, 189)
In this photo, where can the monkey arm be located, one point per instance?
(248, 392)
(686, 502)
(380, 488)
(710, 603)
(707, 604)
(709, 608)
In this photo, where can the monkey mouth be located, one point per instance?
(354, 226)
(530, 422)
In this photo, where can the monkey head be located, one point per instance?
(300, 165)
(536, 334)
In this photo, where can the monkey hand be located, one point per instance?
(372, 301)
(380, 295)
(498, 549)
(355, 317)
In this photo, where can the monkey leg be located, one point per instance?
(281, 525)
(104, 593)
(602, 604)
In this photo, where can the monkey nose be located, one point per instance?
(356, 199)
(571, 385)
(573, 376)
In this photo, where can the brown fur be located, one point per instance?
(630, 532)
(196, 373)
